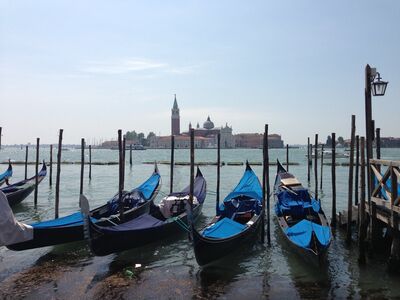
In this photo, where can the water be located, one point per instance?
(168, 269)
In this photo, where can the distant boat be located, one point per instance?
(328, 154)
(128, 147)
(17, 192)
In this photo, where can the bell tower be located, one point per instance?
(175, 119)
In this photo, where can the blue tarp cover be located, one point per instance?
(148, 187)
(223, 229)
(6, 174)
(246, 196)
(76, 219)
(142, 222)
(300, 234)
(294, 203)
(249, 185)
(71, 220)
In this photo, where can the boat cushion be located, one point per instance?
(223, 229)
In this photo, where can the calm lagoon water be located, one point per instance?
(168, 269)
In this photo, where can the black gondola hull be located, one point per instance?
(19, 196)
(105, 244)
(15, 197)
(43, 237)
(209, 250)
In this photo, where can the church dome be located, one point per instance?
(208, 124)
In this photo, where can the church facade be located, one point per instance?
(206, 135)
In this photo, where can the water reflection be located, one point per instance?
(309, 280)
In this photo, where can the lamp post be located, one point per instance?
(377, 88)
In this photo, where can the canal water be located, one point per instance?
(168, 269)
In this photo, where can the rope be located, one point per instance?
(181, 224)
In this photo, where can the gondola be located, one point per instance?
(17, 192)
(164, 220)
(237, 221)
(301, 218)
(70, 228)
(7, 174)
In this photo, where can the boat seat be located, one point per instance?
(290, 181)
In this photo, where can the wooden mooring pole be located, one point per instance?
(1, 130)
(316, 166)
(171, 172)
(322, 166)
(356, 177)
(123, 158)
(218, 169)
(362, 224)
(264, 175)
(130, 155)
(268, 189)
(51, 166)
(308, 160)
(57, 200)
(90, 162)
(287, 157)
(350, 190)
(82, 167)
(26, 162)
(394, 260)
(191, 187)
(36, 172)
(121, 176)
(333, 177)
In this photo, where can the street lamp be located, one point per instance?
(377, 88)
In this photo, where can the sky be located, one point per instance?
(93, 67)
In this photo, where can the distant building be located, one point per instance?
(255, 140)
(390, 142)
(206, 136)
(175, 119)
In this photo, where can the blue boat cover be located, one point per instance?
(249, 186)
(300, 233)
(76, 219)
(223, 229)
(246, 196)
(6, 174)
(142, 222)
(71, 220)
(149, 186)
(136, 196)
(295, 202)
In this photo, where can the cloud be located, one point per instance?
(121, 66)
(131, 65)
